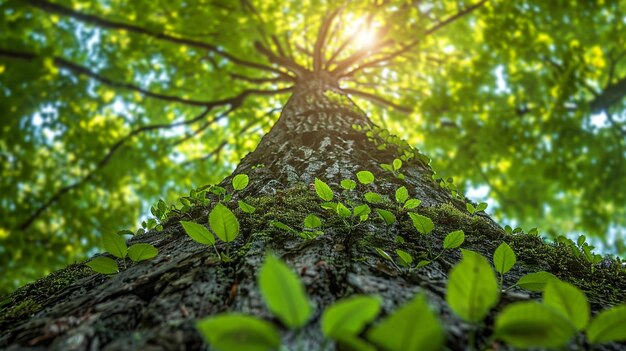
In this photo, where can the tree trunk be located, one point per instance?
(153, 305)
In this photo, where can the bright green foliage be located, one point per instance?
(349, 316)
(284, 293)
(223, 223)
(323, 190)
(237, 332)
(240, 181)
(103, 265)
(365, 177)
(608, 326)
(405, 258)
(504, 258)
(535, 281)
(114, 244)
(343, 211)
(198, 232)
(402, 194)
(423, 224)
(388, 217)
(481, 207)
(411, 204)
(142, 252)
(569, 300)
(397, 164)
(362, 212)
(531, 324)
(348, 184)
(312, 221)
(472, 287)
(454, 239)
(373, 198)
(383, 254)
(245, 207)
(412, 327)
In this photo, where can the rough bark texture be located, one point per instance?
(153, 305)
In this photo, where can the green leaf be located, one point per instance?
(397, 164)
(504, 258)
(125, 231)
(402, 194)
(245, 207)
(323, 190)
(386, 167)
(531, 324)
(312, 221)
(103, 265)
(284, 293)
(330, 206)
(114, 244)
(348, 184)
(365, 177)
(411, 204)
(569, 300)
(349, 316)
(412, 327)
(423, 224)
(240, 181)
(405, 258)
(373, 197)
(608, 326)
(383, 254)
(535, 281)
(481, 206)
(353, 343)
(470, 208)
(362, 210)
(198, 233)
(140, 252)
(454, 239)
(223, 223)
(283, 226)
(343, 211)
(472, 287)
(238, 332)
(387, 216)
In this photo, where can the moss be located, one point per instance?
(18, 311)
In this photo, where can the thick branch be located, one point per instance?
(378, 100)
(318, 51)
(101, 22)
(281, 60)
(256, 80)
(233, 101)
(60, 62)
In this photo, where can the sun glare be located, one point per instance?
(365, 37)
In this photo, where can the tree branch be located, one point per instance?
(378, 100)
(318, 51)
(286, 62)
(610, 96)
(233, 101)
(101, 22)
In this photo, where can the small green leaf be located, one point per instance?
(383, 254)
(504, 258)
(283, 226)
(397, 164)
(411, 204)
(454, 239)
(402, 194)
(412, 327)
(343, 211)
(581, 240)
(386, 216)
(386, 167)
(423, 224)
(481, 206)
(114, 244)
(349, 316)
(362, 210)
(470, 208)
(373, 197)
(535, 281)
(405, 258)
(330, 206)
(323, 190)
(245, 207)
(472, 287)
(198, 233)
(140, 252)
(422, 263)
(284, 293)
(348, 184)
(103, 265)
(608, 326)
(238, 332)
(353, 343)
(365, 177)
(223, 223)
(531, 324)
(312, 221)
(569, 300)
(240, 181)
(533, 231)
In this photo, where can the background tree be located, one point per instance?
(111, 106)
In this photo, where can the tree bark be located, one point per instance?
(153, 305)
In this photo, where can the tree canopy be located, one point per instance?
(109, 106)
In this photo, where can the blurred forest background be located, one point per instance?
(108, 106)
